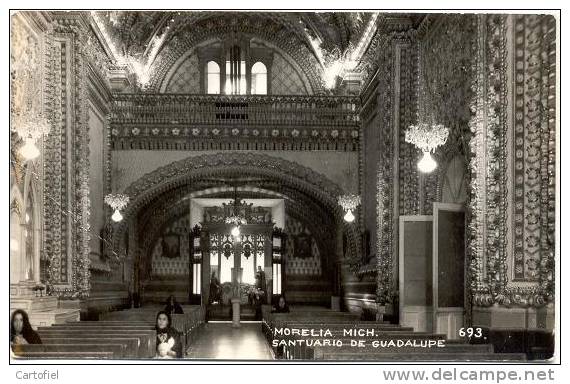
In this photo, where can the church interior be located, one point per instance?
(385, 171)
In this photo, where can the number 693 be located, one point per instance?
(471, 332)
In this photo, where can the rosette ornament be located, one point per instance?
(427, 137)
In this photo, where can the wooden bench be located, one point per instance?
(118, 350)
(65, 355)
(133, 349)
(147, 338)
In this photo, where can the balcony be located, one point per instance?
(176, 109)
(198, 122)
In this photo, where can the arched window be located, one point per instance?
(259, 79)
(213, 78)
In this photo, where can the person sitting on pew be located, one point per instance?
(21, 331)
(168, 344)
(281, 307)
(172, 306)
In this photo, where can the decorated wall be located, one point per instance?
(285, 78)
(445, 92)
(513, 149)
(301, 250)
(171, 251)
(186, 78)
(308, 272)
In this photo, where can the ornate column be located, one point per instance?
(512, 168)
(66, 166)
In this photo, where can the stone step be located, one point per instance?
(448, 348)
(456, 357)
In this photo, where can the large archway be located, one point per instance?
(310, 197)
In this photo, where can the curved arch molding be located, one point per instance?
(161, 181)
(222, 27)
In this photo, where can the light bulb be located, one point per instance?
(427, 164)
(117, 216)
(349, 217)
(29, 150)
(235, 231)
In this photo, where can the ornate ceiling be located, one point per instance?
(152, 40)
(133, 31)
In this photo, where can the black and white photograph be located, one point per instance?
(284, 186)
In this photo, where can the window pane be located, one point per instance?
(226, 269)
(259, 79)
(213, 78)
(248, 274)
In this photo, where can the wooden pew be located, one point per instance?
(65, 355)
(147, 338)
(118, 350)
(133, 350)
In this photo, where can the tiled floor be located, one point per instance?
(221, 341)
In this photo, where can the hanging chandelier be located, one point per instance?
(427, 137)
(30, 127)
(117, 201)
(235, 218)
(349, 204)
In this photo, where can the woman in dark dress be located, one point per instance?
(168, 343)
(21, 331)
(172, 306)
(281, 306)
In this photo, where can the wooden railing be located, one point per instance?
(186, 109)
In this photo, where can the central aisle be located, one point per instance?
(221, 341)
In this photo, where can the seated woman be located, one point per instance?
(21, 331)
(281, 306)
(168, 344)
(172, 306)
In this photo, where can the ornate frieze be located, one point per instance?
(198, 122)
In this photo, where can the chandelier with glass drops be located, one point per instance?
(30, 127)
(235, 219)
(349, 204)
(117, 201)
(427, 137)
